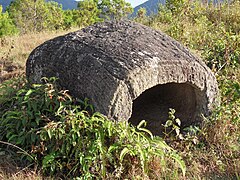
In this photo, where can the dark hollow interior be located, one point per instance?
(154, 103)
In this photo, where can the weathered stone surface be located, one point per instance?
(129, 71)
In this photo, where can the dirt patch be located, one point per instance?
(9, 70)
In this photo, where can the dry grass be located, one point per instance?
(217, 156)
(10, 171)
(20, 175)
(16, 49)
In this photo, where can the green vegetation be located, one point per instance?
(210, 30)
(88, 13)
(35, 16)
(39, 15)
(44, 128)
(6, 24)
(59, 135)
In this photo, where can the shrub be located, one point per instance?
(6, 24)
(58, 133)
(36, 16)
(213, 31)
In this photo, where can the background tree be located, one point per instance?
(88, 13)
(141, 16)
(175, 6)
(36, 15)
(115, 9)
(92, 11)
(6, 24)
(141, 13)
(39, 15)
(54, 16)
(69, 18)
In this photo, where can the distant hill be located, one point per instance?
(151, 6)
(67, 4)
(4, 3)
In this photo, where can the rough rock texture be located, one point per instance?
(129, 71)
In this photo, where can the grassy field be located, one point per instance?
(211, 151)
(16, 49)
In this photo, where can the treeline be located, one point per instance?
(24, 16)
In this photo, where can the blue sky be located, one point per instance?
(135, 2)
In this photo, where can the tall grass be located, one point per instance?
(16, 49)
(212, 31)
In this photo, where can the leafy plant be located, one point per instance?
(7, 26)
(173, 124)
(65, 139)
